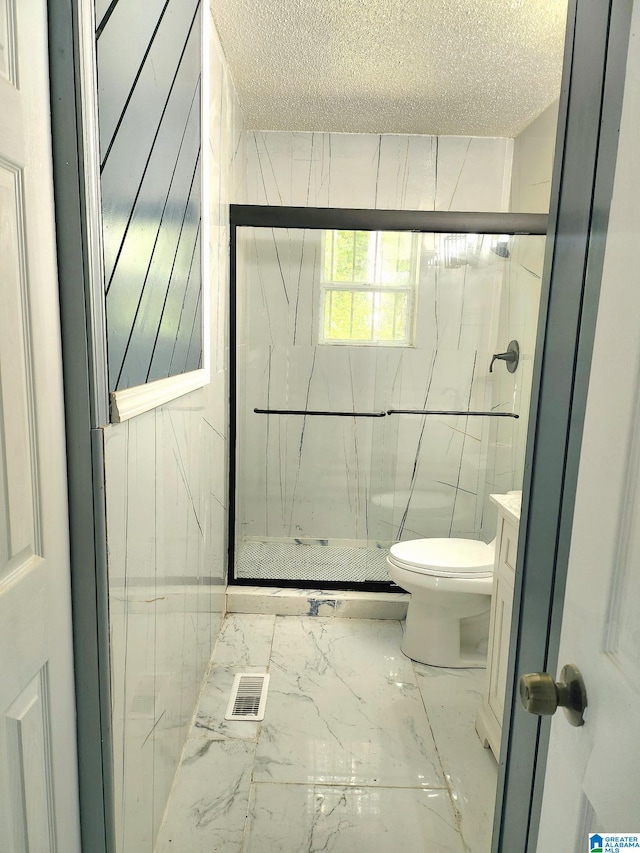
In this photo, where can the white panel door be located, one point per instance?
(38, 778)
(592, 780)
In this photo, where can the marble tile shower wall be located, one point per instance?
(166, 494)
(519, 309)
(512, 392)
(378, 171)
(364, 480)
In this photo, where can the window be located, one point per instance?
(368, 287)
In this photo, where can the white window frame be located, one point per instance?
(374, 288)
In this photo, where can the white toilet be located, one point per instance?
(450, 581)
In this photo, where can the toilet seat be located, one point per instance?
(462, 558)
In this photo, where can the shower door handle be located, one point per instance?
(318, 414)
(453, 412)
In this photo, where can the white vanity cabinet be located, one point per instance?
(490, 712)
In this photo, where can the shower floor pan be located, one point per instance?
(293, 561)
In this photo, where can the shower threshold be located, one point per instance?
(335, 603)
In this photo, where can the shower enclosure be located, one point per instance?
(363, 408)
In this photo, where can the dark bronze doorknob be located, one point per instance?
(541, 694)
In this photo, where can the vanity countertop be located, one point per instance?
(510, 504)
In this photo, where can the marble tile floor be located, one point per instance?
(360, 748)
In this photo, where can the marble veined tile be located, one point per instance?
(305, 602)
(209, 719)
(280, 601)
(208, 806)
(379, 605)
(297, 818)
(452, 697)
(245, 639)
(344, 708)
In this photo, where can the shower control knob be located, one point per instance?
(540, 694)
(511, 357)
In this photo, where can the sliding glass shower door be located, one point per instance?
(313, 310)
(364, 403)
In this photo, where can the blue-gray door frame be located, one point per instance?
(587, 141)
(86, 406)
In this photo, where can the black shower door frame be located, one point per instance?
(347, 219)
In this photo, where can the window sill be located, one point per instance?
(131, 402)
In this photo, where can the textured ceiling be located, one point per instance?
(461, 67)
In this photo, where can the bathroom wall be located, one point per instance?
(166, 495)
(530, 193)
(378, 171)
(364, 480)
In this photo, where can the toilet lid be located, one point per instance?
(444, 556)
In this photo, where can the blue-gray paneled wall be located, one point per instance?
(149, 75)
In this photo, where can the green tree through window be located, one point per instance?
(368, 287)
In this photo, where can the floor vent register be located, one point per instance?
(248, 697)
